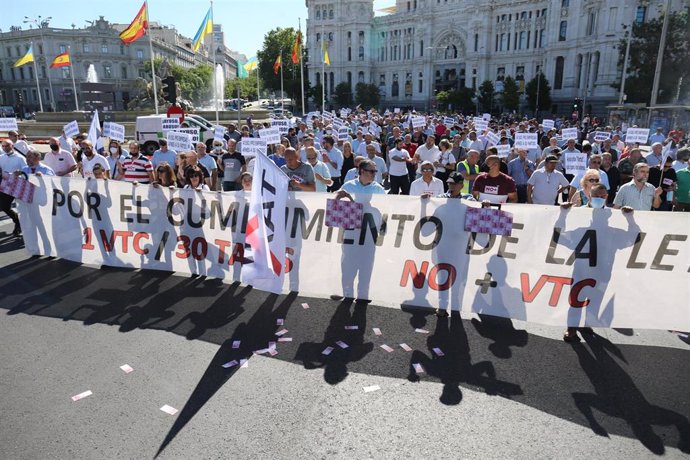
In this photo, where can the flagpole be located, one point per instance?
(258, 98)
(323, 71)
(301, 64)
(215, 80)
(74, 84)
(282, 93)
(153, 68)
(38, 87)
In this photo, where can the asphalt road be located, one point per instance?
(501, 390)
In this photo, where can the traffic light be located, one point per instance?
(20, 99)
(169, 89)
(577, 104)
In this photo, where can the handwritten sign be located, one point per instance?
(114, 131)
(503, 150)
(418, 122)
(282, 125)
(180, 142)
(637, 136)
(547, 124)
(575, 162)
(8, 124)
(493, 137)
(194, 132)
(569, 133)
(525, 140)
(272, 135)
(253, 146)
(71, 129)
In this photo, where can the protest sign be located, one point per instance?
(547, 124)
(569, 133)
(396, 110)
(575, 162)
(600, 136)
(637, 136)
(114, 131)
(579, 273)
(448, 121)
(194, 132)
(252, 146)
(493, 137)
(481, 126)
(71, 129)
(343, 134)
(525, 141)
(486, 116)
(272, 135)
(503, 150)
(418, 122)
(170, 124)
(282, 125)
(179, 142)
(218, 133)
(8, 124)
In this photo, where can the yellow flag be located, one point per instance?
(28, 57)
(326, 59)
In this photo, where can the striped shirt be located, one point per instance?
(137, 169)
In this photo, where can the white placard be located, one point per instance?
(547, 124)
(343, 134)
(282, 125)
(328, 116)
(179, 142)
(71, 129)
(7, 124)
(218, 133)
(337, 124)
(253, 146)
(525, 140)
(575, 162)
(486, 116)
(493, 137)
(170, 124)
(114, 131)
(448, 121)
(637, 135)
(418, 122)
(503, 150)
(272, 135)
(569, 133)
(600, 136)
(396, 110)
(194, 132)
(481, 126)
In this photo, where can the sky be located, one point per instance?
(244, 23)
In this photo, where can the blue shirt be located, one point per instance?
(516, 170)
(40, 168)
(159, 156)
(355, 186)
(278, 160)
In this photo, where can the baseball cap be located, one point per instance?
(455, 178)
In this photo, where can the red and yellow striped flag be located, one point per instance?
(296, 48)
(277, 65)
(62, 60)
(137, 28)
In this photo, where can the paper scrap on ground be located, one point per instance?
(126, 368)
(271, 345)
(285, 339)
(351, 328)
(280, 321)
(371, 388)
(82, 395)
(305, 305)
(230, 364)
(236, 344)
(421, 331)
(169, 410)
(342, 344)
(387, 348)
(680, 334)
(244, 363)
(418, 368)
(327, 351)
(261, 352)
(272, 351)
(405, 347)
(377, 331)
(281, 332)
(438, 351)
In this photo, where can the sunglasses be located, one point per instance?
(593, 181)
(311, 158)
(427, 170)
(373, 171)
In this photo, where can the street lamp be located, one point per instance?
(41, 22)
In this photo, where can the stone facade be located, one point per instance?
(425, 46)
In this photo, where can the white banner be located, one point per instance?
(8, 124)
(569, 133)
(179, 142)
(253, 146)
(272, 135)
(526, 141)
(547, 124)
(503, 150)
(265, 232)
(71, 129)
(493, 137)
(418, 122)
(575, 162)
(170, 124)
(114, 131)
(218, 133)
(588, 267)
(637, 135)
(481, 126)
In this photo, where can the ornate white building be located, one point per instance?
(424, 46)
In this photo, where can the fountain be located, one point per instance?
(219, 95)
(91, 75)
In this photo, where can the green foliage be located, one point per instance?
(486, 95)
(277, 42)
(247, 87)
(343, 95)
(644, 48)
(442, 99)
(195, 83)
(461, 99)
(544, 93)
(511, 94)
(367, 95)
(316, 93)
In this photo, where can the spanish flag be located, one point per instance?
(28, 57)
(62, 60)
(296, 48)
(277, 65)
(137, 28)
(326, 59)
(205, 29)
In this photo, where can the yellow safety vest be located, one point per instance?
(466, 183)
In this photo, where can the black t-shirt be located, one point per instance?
(669, 179)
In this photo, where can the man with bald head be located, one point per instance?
(59, 160)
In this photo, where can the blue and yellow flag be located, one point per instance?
(251, 64)
(241, 71)
(205, 29)
(28, 57)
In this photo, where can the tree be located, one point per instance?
(442, 99)
(544, 93)
(343, 95)
(195, 83)
(461, 99)
(644, 48)
(511, 95)
(247, 87)
(279, 42)
(316, 93)
(367, 95)
(486, 95)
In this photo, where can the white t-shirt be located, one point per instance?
(445, 158)
(398, 168)
(419, 187)
(362, 148)
(427, 154)
(336, 156)
(87, 165)
(322, 170)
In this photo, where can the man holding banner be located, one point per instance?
(59, 160)
(10, 161)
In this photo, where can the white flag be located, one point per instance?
(266, 227)
(95, 130)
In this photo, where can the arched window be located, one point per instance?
(318, 13)
(565, 3)
(558, 74)
(349, 53)
(562, 31)
(360, 77)
(361, 53)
